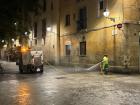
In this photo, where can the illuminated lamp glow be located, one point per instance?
(106, 13)
(49, 29)
(24, 49)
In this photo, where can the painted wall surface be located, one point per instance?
(101, 35)
(131, 10)
(49, 44)
(99, 39)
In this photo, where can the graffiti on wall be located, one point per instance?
(98, 56)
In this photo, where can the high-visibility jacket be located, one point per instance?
(105, 62)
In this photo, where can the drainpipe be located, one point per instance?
(58, 32)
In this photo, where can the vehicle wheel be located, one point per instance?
(32, 69)
(20, 70)
(41, 71)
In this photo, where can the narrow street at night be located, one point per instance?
(69, 52)
(65, 86)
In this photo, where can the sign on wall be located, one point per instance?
(114, 32)
(119, 26)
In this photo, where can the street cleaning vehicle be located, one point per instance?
(29, 60)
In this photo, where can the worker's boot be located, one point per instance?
(106, 70)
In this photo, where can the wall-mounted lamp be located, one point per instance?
(2, 41)
(106, 14)
(15, 23)
(49, 29)
(13, 39)
(25, 33)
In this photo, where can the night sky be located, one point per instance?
(12, 11)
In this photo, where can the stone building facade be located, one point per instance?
(80, 34)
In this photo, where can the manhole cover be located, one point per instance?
(60, 77)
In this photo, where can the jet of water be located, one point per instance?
(94, 67)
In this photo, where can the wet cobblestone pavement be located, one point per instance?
(59, 86)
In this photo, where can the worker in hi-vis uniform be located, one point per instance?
(105, 64)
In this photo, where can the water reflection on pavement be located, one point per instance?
(59, 87)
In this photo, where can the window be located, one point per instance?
(74, 16)
(35, 30)
(43, 31)
(82, 21)
(44, 5)
(77, 0)
(36, 12)
(68, 48)
(101, 4)
(35, 41)
(51, 5)
(139, 38)
(43, 28)
(83, 48)
(67, 20)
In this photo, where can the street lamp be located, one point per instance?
(15, 23)
(49, 29)
(16, 42)
(106, 14)
(2, 41)
(13, 42)
(13, 39)
(25, 33)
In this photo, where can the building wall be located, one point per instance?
(50, 47)
(49, 43)
(132, 29)
(98, 38)
(131, 10)
(99, 33)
